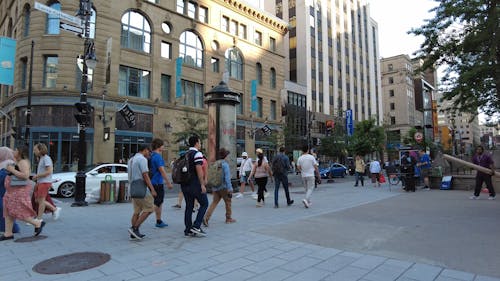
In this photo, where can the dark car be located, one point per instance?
(335, 170)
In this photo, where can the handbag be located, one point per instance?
(17, 182)
(381, 178)
(247, 173)
(137, 187)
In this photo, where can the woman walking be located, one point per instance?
(17, 200)
(6, 157)
(43, 178)
(261, 171)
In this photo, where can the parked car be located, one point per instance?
(332, 171)
(65, 183)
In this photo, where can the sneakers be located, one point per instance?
(161, 224)
(266, 194)
(177, 206)
(426, 188)
(306, 204)
(231, 220)
(198, 231)
(259, 204)
(290, 203)
(473, 197)
(135, 233)
(491, 197)
(57, 213)
(276, 206)
(239, 195)
(254, 195)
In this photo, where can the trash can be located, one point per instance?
(123, 192)
(108, 191)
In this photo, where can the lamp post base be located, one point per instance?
(80, 204)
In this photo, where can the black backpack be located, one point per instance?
(278, 165)
(182, 169)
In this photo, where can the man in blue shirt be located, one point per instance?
(159, 177)
(424, 165)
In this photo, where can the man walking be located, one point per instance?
(143, 207)
(244, 172)
(424, 165)
(159, 177)
(359, 170)
(280, 167)
(483, 160)
(308, 168)
(195, 189)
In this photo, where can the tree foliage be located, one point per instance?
(192, 126)
(367, 138)
(334, 145)
(463, 37)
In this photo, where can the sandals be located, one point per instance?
(38, 230)
(3, 238)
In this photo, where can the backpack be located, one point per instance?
(215, 174)
(181, 169)
(278, 165)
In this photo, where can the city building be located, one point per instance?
(333, 65)
(158, 57)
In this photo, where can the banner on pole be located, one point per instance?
(7, 60)
(178, 73)
(253, 91)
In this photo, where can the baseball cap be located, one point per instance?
(244, 154)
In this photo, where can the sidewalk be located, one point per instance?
(289, 243)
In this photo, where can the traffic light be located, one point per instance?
(107, 133)
(83, 115)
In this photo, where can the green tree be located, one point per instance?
(334, 145)
(191, 126)
(367, 138)
(464, 37)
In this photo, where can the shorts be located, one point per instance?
(375, 177)
(42, 189)
(144, 205)
(160, 194)
(243, 178)
(425, 172)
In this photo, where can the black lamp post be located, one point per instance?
(84, 108)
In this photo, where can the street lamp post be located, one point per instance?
(84, 108)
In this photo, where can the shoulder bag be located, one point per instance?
(137, 187)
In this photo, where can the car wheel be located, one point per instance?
(66, 189)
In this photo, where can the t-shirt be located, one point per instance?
(137, 165)
(44, 162)
(375, 167)
(425, 159)
(307, 162)
(156, 162)
(246, 165)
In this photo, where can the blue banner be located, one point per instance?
(253, 91)
(349, 124)
(7, 60)
(178, 73)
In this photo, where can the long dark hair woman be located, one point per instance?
(261, 171)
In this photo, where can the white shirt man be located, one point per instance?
(308, 167)
(244, 172)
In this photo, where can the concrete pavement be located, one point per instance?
(348, 234)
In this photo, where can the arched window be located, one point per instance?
(92, 24)
(234, 63)
(53, 20)
(27, 19)
(191, 49)
(273, 78)
(258, 69)
(136, 32)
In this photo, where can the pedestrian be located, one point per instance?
(143, 207)
(280, 166)
(180, 195)
(159, 178)
(224, 191)
(261, 171)
(195, 189)
(359, 170)
(408, 163)
(375, 172)
(43, 179)
(424, 165)
(244, 172)
(484, 160)
(17, 198)
(6, 158)
(308, 167)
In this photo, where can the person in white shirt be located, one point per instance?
(244, 173)
(308, 167)
(375, 172)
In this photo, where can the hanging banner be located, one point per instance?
(7, 60)
(178, 73)
(253, 95)
(128, 114)
(349, 124)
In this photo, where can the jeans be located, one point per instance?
(281, 179)
(359, 176)
(192, 192)
(480, 178)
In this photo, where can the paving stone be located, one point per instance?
(486, 278)
(300, 264)
(369, 262)
(238, 274)
(265, 265)
(460, 275)
(422, 272)
(264, 254)
(225, 267)
(385, 272)
(311, 274)
(335, 263)
(275, 275)
(349, 273)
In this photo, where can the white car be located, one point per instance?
(65, 183)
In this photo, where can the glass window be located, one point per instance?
(165, 87)
(180, 6)
(272, 44)
(272, 116)
(242, 32)
(27, 20)
(53, 20)
(191, 49)
(239, 107)
(215, 64)
(258, 38)
(258, 69)
(203, 14)
(273, 78)
(191, 10)
(136, 32)
(391, 80)
(166, 50)
(79, 71)
(234, 63)
(24, 72)
(233, 27)
(224, 24)
(133, 82)
(391, 93)
(50, 71)
(259, 107)
(192, 94)
(165, 26)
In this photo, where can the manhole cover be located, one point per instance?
(71, 263)
(30, 239)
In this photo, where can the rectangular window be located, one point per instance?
(272, 114)
(224, 25)
(133, 82)
(203, 14)
(272, 44)
(192, 94)
(239, 107)
(242, 32)
(24, 72)
(166, 50)
(392, 106)
(391, 80)
(258, 38)
(259, 107)
(50, 71)
(165, 87)
(393, 120)
(180, 6)
(390, 67)
(233, 27)
(191, 10)
(391, 93)
(215, 64)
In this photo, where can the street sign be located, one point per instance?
(266, 130)
(71, 28)
(63, 16)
